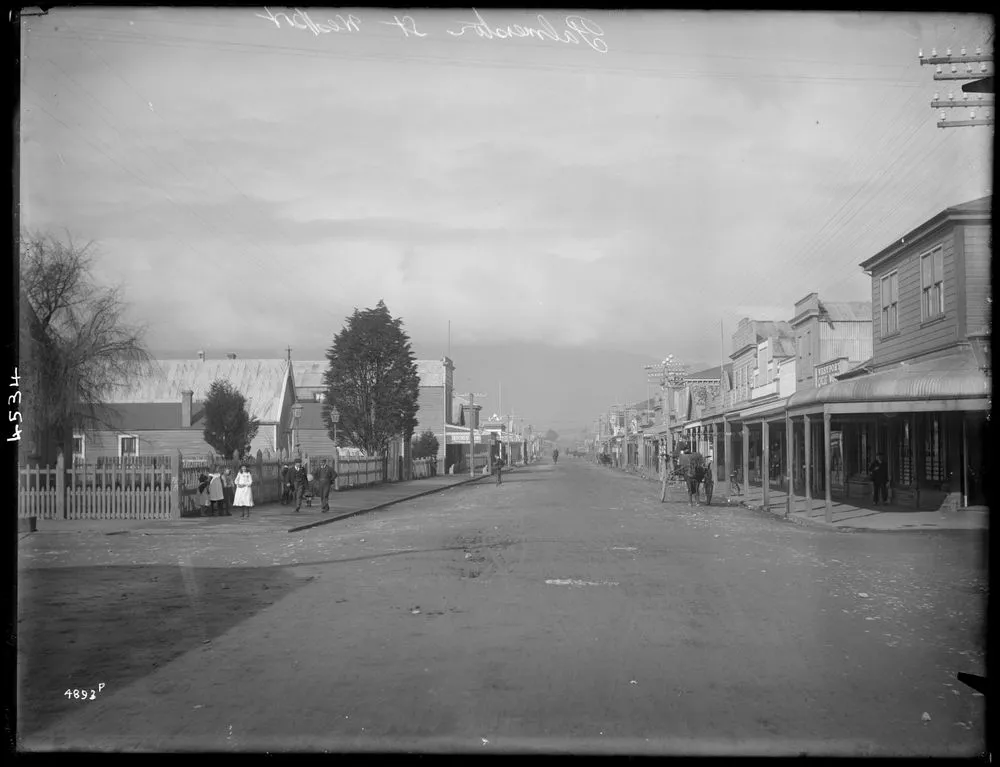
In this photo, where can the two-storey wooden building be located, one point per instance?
(921, 399)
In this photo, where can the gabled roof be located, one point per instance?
(262, 382)
(846, 311)
(308, 374)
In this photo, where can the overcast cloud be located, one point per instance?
(251, 185)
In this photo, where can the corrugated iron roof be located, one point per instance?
(308, 374)
(954, 376)
(846, 311)
(260, 381)
(312, 416)
(709, 374)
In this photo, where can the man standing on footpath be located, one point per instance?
(880, 479)
(300, 482)
(325, 475)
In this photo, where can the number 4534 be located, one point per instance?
(75, 694)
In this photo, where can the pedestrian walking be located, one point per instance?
(243, 498)
(879, 471)
(499, 470)
(325, 475)
(709, 481)
(300, 483)
(215, 494)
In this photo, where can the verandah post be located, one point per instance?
(826, 466)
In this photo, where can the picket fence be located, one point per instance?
(112, 490)
(164, 487)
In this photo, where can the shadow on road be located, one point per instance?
(79, 627)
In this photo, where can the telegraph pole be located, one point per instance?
(981, 77)
(472, 430)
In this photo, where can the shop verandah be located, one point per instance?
(927, 421)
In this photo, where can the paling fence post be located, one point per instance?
(61, 485)
(175, 487)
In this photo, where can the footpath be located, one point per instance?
(274, 516)
(846, 517)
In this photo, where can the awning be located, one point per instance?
(761, 411)
(951, 377)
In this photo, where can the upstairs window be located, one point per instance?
(890, 303)
(932, 283)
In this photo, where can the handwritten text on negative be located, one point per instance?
(575, 30)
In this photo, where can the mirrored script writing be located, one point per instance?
(573, 30)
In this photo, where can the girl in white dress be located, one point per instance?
(244, 496)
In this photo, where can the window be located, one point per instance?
(905, 462)
(79, 448)
(933, 449)
(128, 446)
(932, 283)
(890, 303)
(863, 452)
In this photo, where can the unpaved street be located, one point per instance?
(566, 610)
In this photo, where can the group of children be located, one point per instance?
(219, 492)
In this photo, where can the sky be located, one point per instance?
(574, 208)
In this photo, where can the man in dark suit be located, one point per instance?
(879, 471)
(300, 482)
(325, 475)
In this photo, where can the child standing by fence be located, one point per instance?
(244, 495)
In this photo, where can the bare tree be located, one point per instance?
(87, 350)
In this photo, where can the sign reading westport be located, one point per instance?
(573, 30)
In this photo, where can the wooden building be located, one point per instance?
(921, 400)
(163, 412)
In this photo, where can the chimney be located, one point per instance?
(186, 397)
(230, 356)
(201, 354)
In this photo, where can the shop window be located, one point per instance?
(905, 462)
(863, 458)
(934, 450)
